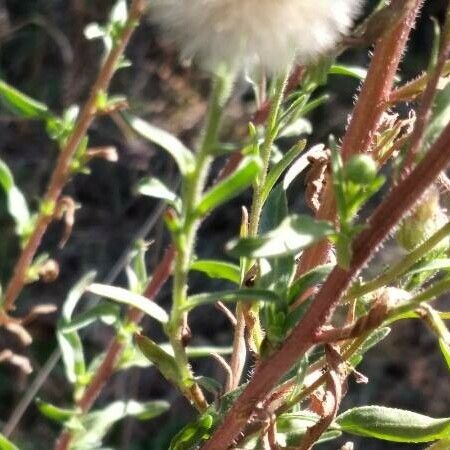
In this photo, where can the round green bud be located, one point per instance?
(360, 169)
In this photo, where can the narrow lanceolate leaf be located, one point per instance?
(241, 295)
(348, 71)
(129, 298)
(6, 444)
(440, 116)
(70, 342)
(218, 269)
(295, 233)
(152, 187)
(96, 424)
(435, 264)
(107, 313)
(445, 349)
(164, 361)
(179, 152)
(16, 203)
(54, 412)
(22, 105)
(307, 280)
(276, 172)
(395, 425)
(230, 187)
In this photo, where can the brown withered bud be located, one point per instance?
(38, 310)
(316, 178)
(66, 210)
(49, 271)
(108, 153)
(19, 331)
(20, 361)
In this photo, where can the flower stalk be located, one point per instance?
(194, 183)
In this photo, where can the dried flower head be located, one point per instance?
(245, 33)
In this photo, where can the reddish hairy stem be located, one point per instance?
(62, 171)
(428, 97)
(116, 346)
(398, 202)
(367, 115)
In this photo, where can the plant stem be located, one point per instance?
(398, 202)
(400, 268)
(428, 97)
(62, 170)
(190, 221)
(266, 150)
(367, 115)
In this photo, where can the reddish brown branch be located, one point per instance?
(367, 115)
(62, 170)
(398, 202)
(116, 346)
(426, 105)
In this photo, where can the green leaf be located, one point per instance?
(434, 264)
(70, 343)
(97, 423)
(218, 269)
(230, 187)
(106, 313)
(241, 295)
(348, 71)
(299, 126)
(129, 298)
(393, 425)
(373, 339)
(276, 172)
(16, 204)
(191, 435)
(55, 413)
(6, 444)
(152, 187)
(295, 233)
(440, 116)
(133, 357)
(22, 105)
(307, 280)
(179, 152)
(164, 361)
(445, 349)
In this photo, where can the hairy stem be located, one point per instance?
(398, 202)
(266, 150)
(428, 97)
(367, 115)
(62, 170)
(192, 190)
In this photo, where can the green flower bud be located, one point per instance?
(360, 169)
(426, 219)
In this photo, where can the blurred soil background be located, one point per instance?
(44, 53)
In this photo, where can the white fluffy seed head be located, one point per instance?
(247, 33)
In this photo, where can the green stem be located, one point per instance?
(266, 149)
(401, 267)
(192, 189)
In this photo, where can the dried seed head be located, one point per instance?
(245, 33)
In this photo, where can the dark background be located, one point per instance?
(43, 52)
